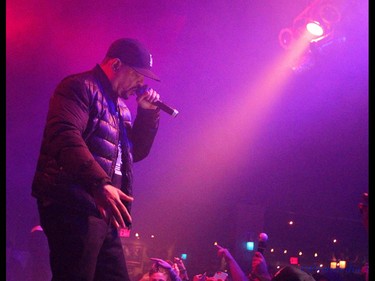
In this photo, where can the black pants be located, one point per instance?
(82, 247)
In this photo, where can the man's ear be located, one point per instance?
(116, 63)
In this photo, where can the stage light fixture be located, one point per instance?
(314, 23)
(342, 264)
(311, 31)
(250, 245)
(315, 28)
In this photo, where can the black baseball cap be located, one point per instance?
(134, 54)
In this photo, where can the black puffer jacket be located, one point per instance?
(80, 141)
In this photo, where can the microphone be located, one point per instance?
(262, 239)
(255, 272)
(158, 103)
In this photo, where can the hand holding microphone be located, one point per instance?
(262, 242)
(158, 103)
(259, 266)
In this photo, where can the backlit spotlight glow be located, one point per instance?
(315, 28)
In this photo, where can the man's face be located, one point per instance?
(127, 81)
(158, 276)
